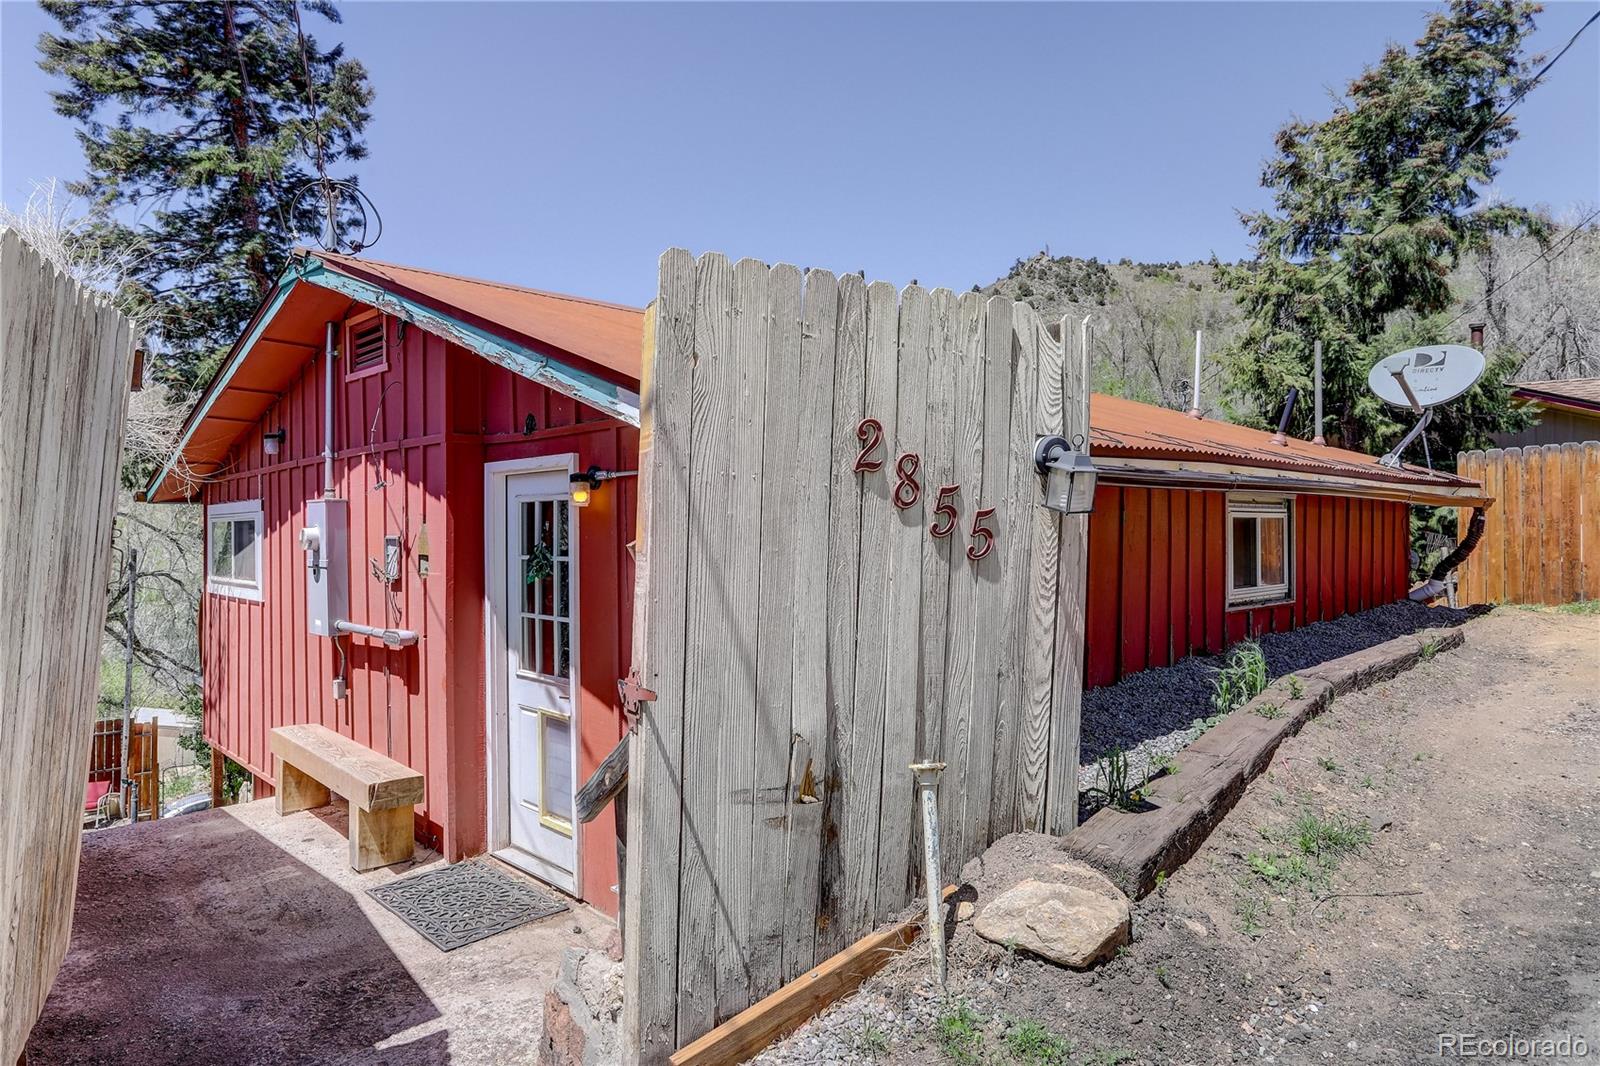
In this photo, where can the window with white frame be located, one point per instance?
(233, 542)
(1258, 550)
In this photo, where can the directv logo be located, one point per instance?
(1429, 360)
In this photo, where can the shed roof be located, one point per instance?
(1127, 429)
(1583, 393)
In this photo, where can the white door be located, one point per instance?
(541, 755)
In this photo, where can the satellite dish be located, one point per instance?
(1422, 379)
(1434, 375)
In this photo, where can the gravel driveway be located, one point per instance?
(1469, 903)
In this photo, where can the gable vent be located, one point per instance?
(367, 345)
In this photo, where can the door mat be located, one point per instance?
(465, 903)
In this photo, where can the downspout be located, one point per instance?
(1435, 585)
(327, 414)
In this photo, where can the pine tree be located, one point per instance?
(1373, 207)
(199, 128)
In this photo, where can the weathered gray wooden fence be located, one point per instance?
(65, 359)
(844, 567)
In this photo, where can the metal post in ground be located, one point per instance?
(127, 681)
(928, 788)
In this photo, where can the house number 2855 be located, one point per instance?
(908, 490)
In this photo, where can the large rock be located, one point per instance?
(583, 1011)
(1070, 924)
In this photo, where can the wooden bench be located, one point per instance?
(314, 760)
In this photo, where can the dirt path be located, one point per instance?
(1451, 885)
(241, 938)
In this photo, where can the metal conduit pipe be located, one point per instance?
(399, 638)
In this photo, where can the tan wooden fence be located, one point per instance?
(1541, 539)
(844, 567)
(65, 360)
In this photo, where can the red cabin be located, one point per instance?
(460, 412)
(472, 446)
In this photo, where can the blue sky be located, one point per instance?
(565, 146)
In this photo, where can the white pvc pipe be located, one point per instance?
(1088, 387)
(399, 638)
(1194, 406)
(327, 413)
(1317, 373)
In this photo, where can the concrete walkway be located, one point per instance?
(239, 937)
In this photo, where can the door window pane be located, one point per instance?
(555, 764)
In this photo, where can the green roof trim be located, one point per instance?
(531, 363)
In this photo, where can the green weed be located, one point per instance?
(1329, 839)
(1430, 648)
(1111, 1057)
(1297, 688)
(1240, 679)
(1269, 711)
(873, 1042)
(1116, 784)
(1327, 763)
(961, 1035)
(1031, 1044)
(1250, 910)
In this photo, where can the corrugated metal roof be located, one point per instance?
(604, 334)
(608, 337)
(1584, 392)
(1125, 428)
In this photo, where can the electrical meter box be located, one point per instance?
(326, 542)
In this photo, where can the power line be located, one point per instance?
(1516, 99)
(1549, 253)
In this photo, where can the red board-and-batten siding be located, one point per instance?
(1158, 589)
(423, 428)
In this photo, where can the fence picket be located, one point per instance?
(902, 636)
(774, 655)
(1542, 534)
(966, 349)
(822, 330)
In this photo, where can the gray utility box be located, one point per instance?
(326, 542)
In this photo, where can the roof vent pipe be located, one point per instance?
(1281, 436)
(1194, 405)
(1316, 364)
(327, 413)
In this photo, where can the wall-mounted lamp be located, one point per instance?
(1069, 476)
(583, 483)
(272, 443)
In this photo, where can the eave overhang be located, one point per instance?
(520, 356)
(1168, 473)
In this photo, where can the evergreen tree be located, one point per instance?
(200, 122)
(1373, 207)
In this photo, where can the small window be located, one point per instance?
(1258, 551)
(233, 542)
(366, 344)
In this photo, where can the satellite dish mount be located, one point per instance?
(1392, 456)
(1421, 379)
